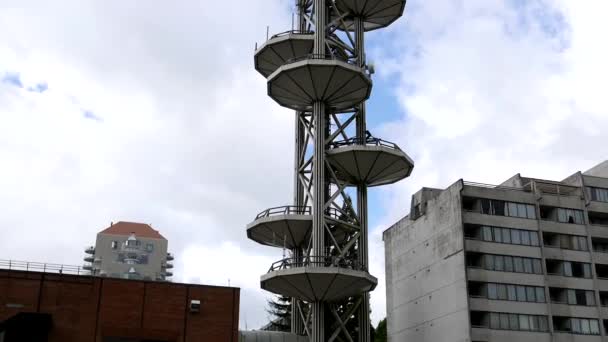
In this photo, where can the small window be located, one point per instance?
(525, 237)
(540, 294)
(487, 233)
(149, 247)
(515, 237)
(521, 293)
(534, 239)
(497, 234)
(114, 244)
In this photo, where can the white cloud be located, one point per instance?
(492, 88)
(190, 143)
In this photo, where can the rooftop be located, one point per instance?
(128, 228)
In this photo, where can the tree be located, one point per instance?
(380, 335)
(280, 311)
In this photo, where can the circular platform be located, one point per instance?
(377, 162)
(301, 82)
(284, 227)
(322, 279)
(281, 48)
(375, 13)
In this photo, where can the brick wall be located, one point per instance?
(88, 309)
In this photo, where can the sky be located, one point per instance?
(151, 111)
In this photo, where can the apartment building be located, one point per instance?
(129, 250)
(526, 260)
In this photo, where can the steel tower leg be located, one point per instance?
(363, 311)
(318, 178)
(297, 324)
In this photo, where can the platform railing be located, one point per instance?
(369, 141)
(285, 210)
(286, 33)
(317, 56)
(42, 267)
(317, 261)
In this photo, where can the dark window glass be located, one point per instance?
(518, 264)
(487, 233)
(506, 235)
(485, 206)
(527, 265)
(530, 294)
(494, 320)
(521, 293)
(508, 263)
(540, 294)
(511, 292)
(502, 292)
(513, 322)
(515, 237)
(492, 291)
(538, 269)
(534, 239)
(525, 237)
(499, 264)
(504, 321)
(497, 234)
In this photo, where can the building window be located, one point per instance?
(563, 215)
(512, 292)
(503, 208)
(568, 268)
(584, 326)
(572, 296)
(564, 241)
(599, 245)
(509, 321)
(114, 244)
(149, 247)
(502, 235)
(504, 263)
(597, 194)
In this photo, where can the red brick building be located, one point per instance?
(83, 308)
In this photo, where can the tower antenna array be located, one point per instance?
(319, 70)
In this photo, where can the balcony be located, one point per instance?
(90, 250)
(281, 48)
(318, 278)
(303, 81)
(370, 161)
(283, 227)
(375, 14)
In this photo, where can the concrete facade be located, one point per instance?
(96, 309)
(526, 260)
(130, 250)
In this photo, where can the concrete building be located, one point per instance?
(523, 261)
(38, 306)
(129, 250)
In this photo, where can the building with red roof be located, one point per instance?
(130, 250)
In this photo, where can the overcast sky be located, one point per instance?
(151, 111)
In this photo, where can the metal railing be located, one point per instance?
(492, 186)
(42, 267)
(317, 261)
(369, 141)
(286, 33)
(320, 56)
(285, 210)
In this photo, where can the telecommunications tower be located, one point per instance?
(319, 70)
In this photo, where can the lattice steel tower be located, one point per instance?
(319, 70)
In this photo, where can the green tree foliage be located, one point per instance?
(380, 335)
(280, 312)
